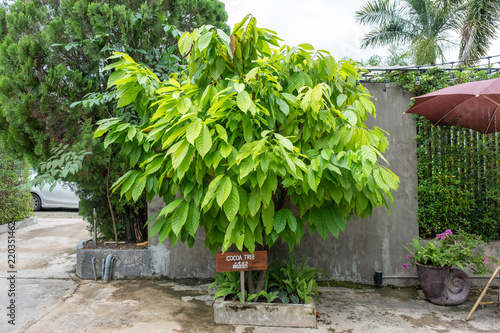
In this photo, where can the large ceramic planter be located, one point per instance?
(444, 285)
(265, 314)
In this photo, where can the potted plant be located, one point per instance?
(441, 283)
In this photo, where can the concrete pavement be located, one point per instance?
(49, 297)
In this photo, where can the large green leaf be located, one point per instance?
(228, 235)
(312, 179)
(193, 130)
(254, 201)
(223, 191)
(179, 217)
(129, 95)
(225, 149)
(154, 166)
(193, 220)
(268, 218)
(221, 131)
(156, 227)
(232, 204)
(212, 188)
(138, 189)
(239, 235)
(285, 142)
(170, 207)
(292, 221)
(183, 105)
(204, 41)
(243, 101)
(280, 220)
(204, 141)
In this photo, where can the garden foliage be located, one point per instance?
(458, 168)
(247, 131)
(51, 58)
(286, 283)
(15, 199)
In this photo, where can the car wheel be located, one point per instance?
(37, 202)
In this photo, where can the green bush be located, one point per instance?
(15, 199)
(458, 168)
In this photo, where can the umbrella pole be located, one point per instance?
(482, 294)
(491, 119)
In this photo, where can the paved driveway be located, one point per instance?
(49, 298)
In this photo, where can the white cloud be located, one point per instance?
(328, 25)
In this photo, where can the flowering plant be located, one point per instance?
(447, 249)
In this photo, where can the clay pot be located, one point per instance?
(444, 285)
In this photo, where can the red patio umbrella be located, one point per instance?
(472, 105)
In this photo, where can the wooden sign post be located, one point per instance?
(241, 261)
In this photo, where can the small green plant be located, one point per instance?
(269, 296)
(228, 284)
(285, 282)
(447, 249)
(295, 283)
(283, 296)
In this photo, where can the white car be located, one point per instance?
(62, 196)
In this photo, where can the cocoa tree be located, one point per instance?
(247, 131)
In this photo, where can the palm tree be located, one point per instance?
(478, 24)
(397, 57)
(421, 25)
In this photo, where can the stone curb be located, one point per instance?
(265, 314)
(19, 224)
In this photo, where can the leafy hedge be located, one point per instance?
(458, 168)
(15, 200)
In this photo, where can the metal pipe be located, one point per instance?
(93, 268)
(95, 228)
(111, 268)
(107, 268)
(102, 269)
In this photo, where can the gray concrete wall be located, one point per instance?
(180, 261)
(375, 243)
(367, 244)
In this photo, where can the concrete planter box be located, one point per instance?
(128, 264)
(265, 314)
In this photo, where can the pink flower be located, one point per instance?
(445, 234)
(485, 259)
(405, 266)
(409, 256)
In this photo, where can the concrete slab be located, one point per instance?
(49, 298)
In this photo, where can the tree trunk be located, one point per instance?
(252, 289)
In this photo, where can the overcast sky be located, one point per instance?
(326, 24)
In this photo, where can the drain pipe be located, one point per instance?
(93, 268)
(108, 268)
(102, 269)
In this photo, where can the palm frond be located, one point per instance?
(479, 28)
(376, 12)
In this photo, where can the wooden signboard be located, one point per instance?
(241, 261)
